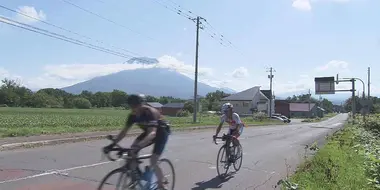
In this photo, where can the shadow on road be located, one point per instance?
(214, 183)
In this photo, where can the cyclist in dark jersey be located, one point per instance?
(155, 131)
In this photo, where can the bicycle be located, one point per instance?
(230, 158)
(139, 180)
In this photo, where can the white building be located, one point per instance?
(251, 99)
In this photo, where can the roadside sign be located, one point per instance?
(324, 85)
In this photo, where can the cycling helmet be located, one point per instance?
(135, 99)
(226, 106)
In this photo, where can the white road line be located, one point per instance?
(52, 172)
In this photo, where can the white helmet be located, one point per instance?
(226, 106)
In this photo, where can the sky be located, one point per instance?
(300, 39)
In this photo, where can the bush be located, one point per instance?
(260, 116)
(183, 113)
(372, 124)
(3, 105)
(81, 103)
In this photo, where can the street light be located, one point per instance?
(360, 81)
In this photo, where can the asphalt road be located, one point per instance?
(78, 166)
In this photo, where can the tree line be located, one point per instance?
(345, 107)
(12, 94)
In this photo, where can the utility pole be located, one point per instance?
(369, 83)
(353, 101)
(309, 103)
(270, 76)
(196, 69)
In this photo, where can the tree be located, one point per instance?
(327, 105)
(189, 106)
(303, 98)
(152, 99)
(118, 98)
(43, 100)
(82, 103)
(102, 99)
(214, 98)
(12, 94)
(348, 104)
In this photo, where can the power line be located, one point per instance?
(185, 13)
(180, 7)
(104, 18)
(60, 37)
(175, 10)
(61, 28)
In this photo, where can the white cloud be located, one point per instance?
(306, 5)
(303, 5)
(335, 65)
(30, 11)
(240, 72)
(179, 54)
(4, 73)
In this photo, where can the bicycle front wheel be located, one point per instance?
(168, 173)
(238, 157)
(222, 162)
(118, 179)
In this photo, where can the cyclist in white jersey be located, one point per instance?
(235, 124)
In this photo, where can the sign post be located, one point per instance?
(326, 85)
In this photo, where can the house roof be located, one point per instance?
(267, 93)
(174, 105)
(154, 104)
(301, 107)
(244, 95)
(263, 96)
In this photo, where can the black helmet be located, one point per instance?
(135, 99)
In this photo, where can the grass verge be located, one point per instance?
(33, 121)
(347, 161)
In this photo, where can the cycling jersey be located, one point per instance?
(233, 123)
(151, 119)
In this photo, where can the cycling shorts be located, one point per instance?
(231, 131)
(159, 141)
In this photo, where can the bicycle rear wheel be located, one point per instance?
(168, 172)
(119, 179)
(222, 162)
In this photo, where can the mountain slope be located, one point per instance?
(154, 82)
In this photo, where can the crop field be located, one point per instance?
(35, 121)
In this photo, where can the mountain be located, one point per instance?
(154, 82)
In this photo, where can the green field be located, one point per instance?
(35, 121)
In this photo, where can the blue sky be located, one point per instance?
(301, 39)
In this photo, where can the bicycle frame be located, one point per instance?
(228, 140)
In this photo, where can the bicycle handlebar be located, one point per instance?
(120, 150)
(224, 137)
